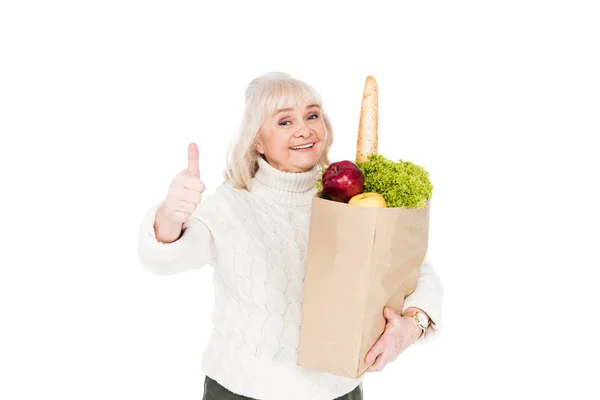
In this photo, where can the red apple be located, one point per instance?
(342, 180)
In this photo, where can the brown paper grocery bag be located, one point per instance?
(359, 260)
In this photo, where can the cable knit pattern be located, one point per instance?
(256, 240)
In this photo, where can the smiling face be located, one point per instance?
(293, 139)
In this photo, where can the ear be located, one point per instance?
(259, 147)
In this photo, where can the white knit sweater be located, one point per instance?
(256, 241)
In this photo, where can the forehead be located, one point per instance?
(289, 95)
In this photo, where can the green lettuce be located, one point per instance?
(319, 184)
(401, 183)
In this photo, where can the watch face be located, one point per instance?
(423, 321)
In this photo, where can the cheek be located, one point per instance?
(322, 132)
(281, 143)
(271, 141)
(321, 149)
(277, 146)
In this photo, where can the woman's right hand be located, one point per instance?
(183, 197)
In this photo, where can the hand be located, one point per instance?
(185, 192)
(400, 332)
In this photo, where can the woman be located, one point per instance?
(254, 231)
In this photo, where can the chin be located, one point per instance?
(303, 161)
(303, 165)
(307, 161)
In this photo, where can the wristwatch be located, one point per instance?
(422, 320)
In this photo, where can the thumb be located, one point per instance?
(193, 160)
(390, 315)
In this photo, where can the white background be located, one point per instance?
(98, 101)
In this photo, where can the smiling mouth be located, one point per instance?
(304, 146)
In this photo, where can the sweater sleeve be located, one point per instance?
(193, 250)
(428, 296)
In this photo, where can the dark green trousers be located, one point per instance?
(214, 391)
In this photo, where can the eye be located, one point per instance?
(313, 115)
(284, 123)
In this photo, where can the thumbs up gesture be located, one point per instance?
(185, 192)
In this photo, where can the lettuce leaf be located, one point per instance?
(401, 183)
(319, 183)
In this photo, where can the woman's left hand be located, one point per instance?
(400, 332)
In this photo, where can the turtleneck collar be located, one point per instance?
(286, 188)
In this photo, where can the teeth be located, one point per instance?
(303, 147)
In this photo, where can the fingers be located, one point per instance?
(179, 210)
(375, 351)
(184, 207)
(185, 192)
(174, 204)
(191, 182)
(386, 349)
(189, 196)
(379, 364)
(178, 217)
(193, 160)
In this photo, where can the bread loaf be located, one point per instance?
(369, 117)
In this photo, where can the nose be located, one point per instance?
(303, 130)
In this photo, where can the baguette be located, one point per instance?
(369, 117)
